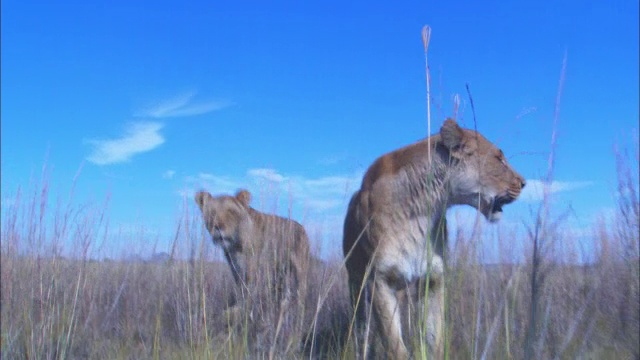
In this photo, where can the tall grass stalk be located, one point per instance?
(541, 235)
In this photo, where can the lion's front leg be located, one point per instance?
(435, 316)
(234, 265)
(387, 315)
(429, 299)
(239, 272)
(298, 274)
(295, 288)
(360, 294)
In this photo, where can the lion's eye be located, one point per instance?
(501, 157)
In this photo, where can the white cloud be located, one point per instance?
(145, 136)
(139, 137)
(224, 183)
(216, 184)
(534, 191)
(182, 106)
(318, 195)
(169, 174)
(267, 174)
(324, 204)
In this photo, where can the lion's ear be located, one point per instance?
(201, 197)
(244, 197)
(452, 135)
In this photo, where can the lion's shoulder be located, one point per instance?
(278, 227)
(393, 162)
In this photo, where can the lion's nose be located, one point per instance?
(522, 183)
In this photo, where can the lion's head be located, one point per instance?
(225, 216)
(483, 177)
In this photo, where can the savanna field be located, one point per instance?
(58, 302)
(181, 180)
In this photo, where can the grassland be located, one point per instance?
(56, 306)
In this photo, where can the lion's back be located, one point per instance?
(281, 233)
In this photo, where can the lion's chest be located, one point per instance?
(410, 256)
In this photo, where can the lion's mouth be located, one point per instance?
(496, 207)
(217, 238)
(226, 242)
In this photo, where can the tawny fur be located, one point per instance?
(395, 228)
(255, 243)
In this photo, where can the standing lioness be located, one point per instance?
(395, 228)
(256, 244)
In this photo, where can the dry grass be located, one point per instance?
(56, 307)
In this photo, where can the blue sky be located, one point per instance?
(294, 100)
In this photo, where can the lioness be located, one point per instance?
(395, 228)
(256, 244)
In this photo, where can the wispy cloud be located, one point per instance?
(534, 191)
(169, 174)
(143, 136)
(217, 184)
(319, 194)
(138, 137)
(266, 174)
(182, 106)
